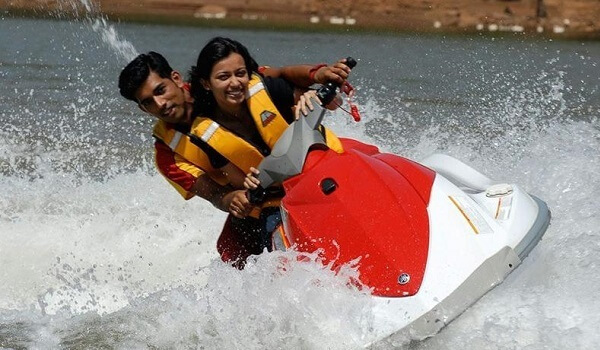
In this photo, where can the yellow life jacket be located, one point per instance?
(181, 144)
(268, 120)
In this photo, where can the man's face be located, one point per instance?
(164, 98)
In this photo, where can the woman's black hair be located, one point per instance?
(214, 51)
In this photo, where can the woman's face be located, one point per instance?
(228, 82)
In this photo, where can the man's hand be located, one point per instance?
(337, 73)
(237, 204)
(223, 197)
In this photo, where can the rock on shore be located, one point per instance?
(573, 18)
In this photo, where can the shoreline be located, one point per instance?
(178, 18)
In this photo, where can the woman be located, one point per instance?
(241, 116)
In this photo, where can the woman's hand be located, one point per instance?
(305, 104)
(251, 182)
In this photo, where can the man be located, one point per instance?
(182, 159)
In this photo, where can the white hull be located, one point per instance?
(475, 241)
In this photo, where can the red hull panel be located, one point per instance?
(378, 205)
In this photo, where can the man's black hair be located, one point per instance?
(138, 70)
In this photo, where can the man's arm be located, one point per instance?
(305, 75)
(225, 198)
(189, 180)
(208, 189)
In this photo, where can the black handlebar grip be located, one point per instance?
(351, 62)
(256, 195)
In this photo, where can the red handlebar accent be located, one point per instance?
(354, 112)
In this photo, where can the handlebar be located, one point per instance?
(256, 195)
(326, 94)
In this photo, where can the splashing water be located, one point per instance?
(110, 36)
(123, 48)
(90, 12)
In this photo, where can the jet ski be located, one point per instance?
(428, 238)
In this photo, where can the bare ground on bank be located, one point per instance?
(577, 19)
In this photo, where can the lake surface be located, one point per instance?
(97, 251)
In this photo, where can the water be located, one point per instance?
(97, 251)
